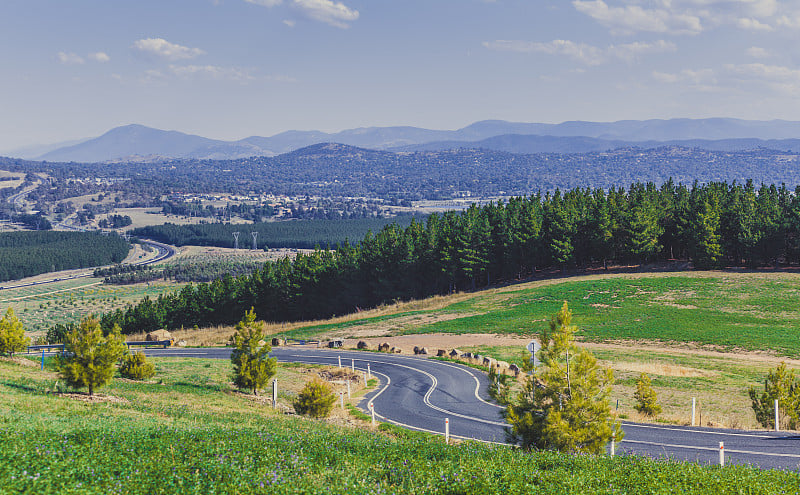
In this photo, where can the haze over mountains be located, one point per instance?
(141, 143)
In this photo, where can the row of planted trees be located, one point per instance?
(712, 225)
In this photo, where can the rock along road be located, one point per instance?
(419, 393)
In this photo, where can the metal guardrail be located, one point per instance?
(301, 342)
(149, 343)
(45, 347)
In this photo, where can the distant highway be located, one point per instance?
(420, 393)
(165, 251)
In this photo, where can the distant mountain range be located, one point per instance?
(140, 143)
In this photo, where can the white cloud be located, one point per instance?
(757, 52)
(753, 24)
(631, 51)
(166, 50)
(70, 58)
(101, 57)
(334, 13)
(328, 11)
(584, 53)
(634, 18)
(289, 22)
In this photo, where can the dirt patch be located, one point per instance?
(397, 325)
(96, 398)
(674, 305)
(657, 369)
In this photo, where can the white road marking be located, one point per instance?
(426, 397)
(687, 430)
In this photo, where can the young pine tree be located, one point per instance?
(782, 385)
(252, 366)
(568, 410)
(89, 357)
(646, 400)
(12, 334)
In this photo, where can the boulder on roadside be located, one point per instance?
(423, 350)
(441, 353)
(158, 335)
(276, 342)
(181, 343)
(455, 353)
(362, 345)
(384, 347)
(396, 350)
(514, 369)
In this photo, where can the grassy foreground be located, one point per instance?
(192, 433)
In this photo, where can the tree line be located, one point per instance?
(301, 234)
(712, 225)
(25, 254)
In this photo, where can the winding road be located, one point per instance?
(419, 393)
(164, 251)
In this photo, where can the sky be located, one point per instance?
(228, 69)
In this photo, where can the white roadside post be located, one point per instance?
(694, 402)
(348, 390)
(613, 441)
(352, 365)
(722, 453)
(340, 361)
(369, 372)
(372, 410)
(446, 430)
(533, 347)
(274, 393)
(777, 418)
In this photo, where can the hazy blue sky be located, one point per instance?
(233, 68)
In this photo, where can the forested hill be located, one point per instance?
(338, 170)
(25, 254)
(714, 225)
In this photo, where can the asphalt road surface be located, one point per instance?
(419, 393)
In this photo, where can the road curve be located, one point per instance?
(165, 251)
(420, 393)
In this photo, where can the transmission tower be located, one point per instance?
(235, 240)
(255, 243)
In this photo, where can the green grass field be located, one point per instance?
(747, 311)
(187, 431)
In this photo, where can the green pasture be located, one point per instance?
(187, 431)
(746, 311)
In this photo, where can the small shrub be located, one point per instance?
(315, 400)
(136, 367)
(646, 400)
(12, 334)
